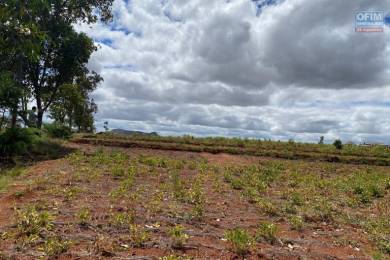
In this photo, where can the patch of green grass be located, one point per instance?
(6, 176)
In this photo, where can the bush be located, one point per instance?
(338, 144)
(58, 131)
(17, 141)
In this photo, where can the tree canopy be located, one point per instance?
(43, 59)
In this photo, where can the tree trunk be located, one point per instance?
(39, 118)
(14, 116)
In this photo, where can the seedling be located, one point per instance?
(55, 246)
(32, 222)
(241, 241)
(267, 232)
(178, 237)
(138, 235)
(296, 223)
(84, 216)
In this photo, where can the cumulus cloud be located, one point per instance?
(297, 70)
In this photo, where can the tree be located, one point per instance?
(338, 144)
(10, 94)
(321, 140)
(59, 54)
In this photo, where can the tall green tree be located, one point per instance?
(57, 55)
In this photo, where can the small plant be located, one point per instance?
(296, 223)
(267, 232)
(174, 257)
(138, 235)
(177, 186)
(197, 198)
(32, 222)
(118, 171)
(179, 238)
(55, 246)
(240, 239)
(122, 219)
(84, 216)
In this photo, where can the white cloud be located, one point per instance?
(213, 67)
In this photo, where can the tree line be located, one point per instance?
(43, 62)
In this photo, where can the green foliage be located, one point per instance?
(84, 216)
(7, 175)
(179, 238)
(55, 246)
(16, 141)
(56, 130)
(267, 232)
(139, 236)
(296, 223)
(338, 144)
(30, 221)
(240, 239)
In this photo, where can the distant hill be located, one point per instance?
(128, 132)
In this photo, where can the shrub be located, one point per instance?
(338, 144)
(16, 141)
(240, 239)
(58, 131)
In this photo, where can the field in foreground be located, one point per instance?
(149, 204)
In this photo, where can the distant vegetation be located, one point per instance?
(348, 153)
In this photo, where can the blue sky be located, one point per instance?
(293, 69)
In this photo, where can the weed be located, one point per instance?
(267, 232)
(197, 198)
(178, 237)
(240, 239)
(177, 186)
(296, 223)
(84, 216)
(267, 207)
(138, 235)
(55, 246)
(122, 219)
(32, 222)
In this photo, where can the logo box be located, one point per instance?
(369, 21)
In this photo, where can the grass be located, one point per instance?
(7, 176)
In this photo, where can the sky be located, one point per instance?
(278, 69)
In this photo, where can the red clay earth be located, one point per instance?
(46, 183)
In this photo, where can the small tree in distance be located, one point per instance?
(338, 144)
(321, 140)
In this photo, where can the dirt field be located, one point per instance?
(151, 204)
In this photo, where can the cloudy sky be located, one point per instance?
(290, 69)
